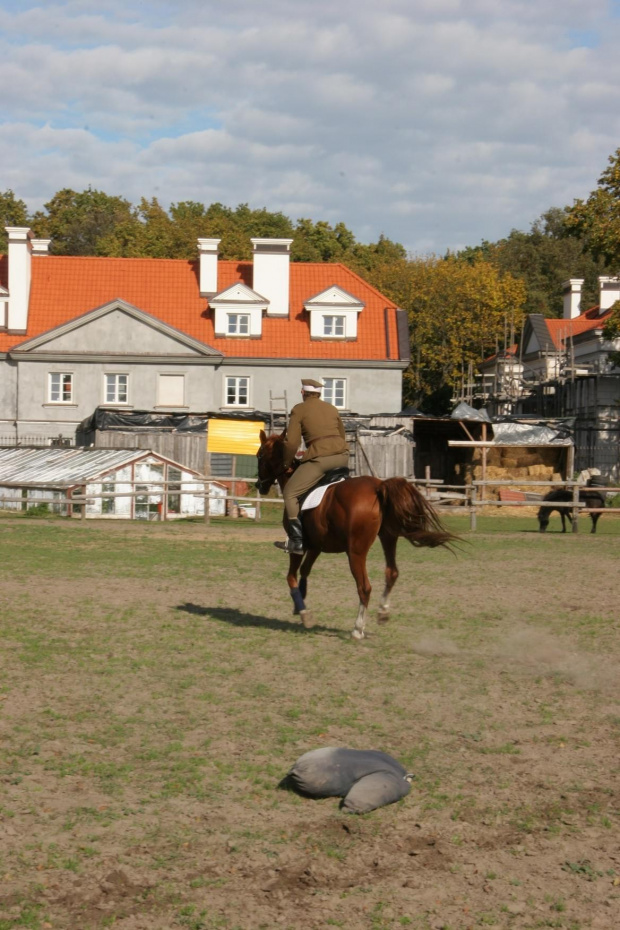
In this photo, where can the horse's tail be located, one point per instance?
(406, 512)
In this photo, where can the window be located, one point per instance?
(237, 392)
(174, 490)
(107, 503)
(238, 324)
(61, 388)
(116, 389)
(333, 326)
(334, 391)
(171, 391)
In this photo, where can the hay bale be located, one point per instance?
(529, 457)
(509, 461)
(540, 471)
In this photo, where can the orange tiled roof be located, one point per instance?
(561, 330)
(65, 287)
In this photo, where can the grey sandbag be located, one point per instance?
(365, 778)
(374, 791)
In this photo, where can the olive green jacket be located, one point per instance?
(319, 425)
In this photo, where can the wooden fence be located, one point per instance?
(446, 499)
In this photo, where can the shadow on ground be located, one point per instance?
(238, 618)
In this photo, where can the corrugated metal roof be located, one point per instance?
(64, 467)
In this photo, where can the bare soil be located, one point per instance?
(155, 688)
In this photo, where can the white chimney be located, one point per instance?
(20, 260)
(572, 297)
(41, 246)
(207, 250)
(609, 292)
(271, 273)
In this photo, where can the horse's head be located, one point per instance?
(270, 457)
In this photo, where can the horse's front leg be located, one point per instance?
(391, 575)
(298, 592)
(306, 567)
(357, 563)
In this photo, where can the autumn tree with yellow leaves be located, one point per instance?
(459, 313)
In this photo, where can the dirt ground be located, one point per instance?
(155, 688)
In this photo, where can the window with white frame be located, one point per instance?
(60, 389)
(334, 326)
(116, 388)
(237, 392)
(107, 503)
(238, 324)
(334, 392)
(171, 391)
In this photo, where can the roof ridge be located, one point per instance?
(358, 277)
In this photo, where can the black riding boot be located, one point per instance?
(295, 542)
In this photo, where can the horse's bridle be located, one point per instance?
(263, 485)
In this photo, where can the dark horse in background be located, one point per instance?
(349, 518)
(591, 499)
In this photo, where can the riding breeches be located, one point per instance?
(306, 476)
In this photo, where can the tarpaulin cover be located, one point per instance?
(104, 419)
(530, 434)
(364, 778)
(464, 412)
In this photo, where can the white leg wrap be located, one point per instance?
(360, 623)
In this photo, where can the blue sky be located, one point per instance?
(438, 123)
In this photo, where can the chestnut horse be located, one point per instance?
(349, 518)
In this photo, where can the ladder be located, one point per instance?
(277, 407)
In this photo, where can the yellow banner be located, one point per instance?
(234, 437)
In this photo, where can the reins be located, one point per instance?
(277, 475)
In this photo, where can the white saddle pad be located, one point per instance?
(315, 497)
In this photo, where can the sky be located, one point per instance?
(436, 123)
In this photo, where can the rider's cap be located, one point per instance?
(310, 386)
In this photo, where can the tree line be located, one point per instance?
(462, 306)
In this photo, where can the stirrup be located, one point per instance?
(289, 546)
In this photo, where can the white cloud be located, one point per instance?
(435, 122)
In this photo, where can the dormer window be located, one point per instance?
(333, 314)
(238, 324)
(334, 326)
(238, 312)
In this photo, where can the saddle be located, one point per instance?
(330, 477)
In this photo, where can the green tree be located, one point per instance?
(13, 212)
(544, 258)
(597, 219)
(78, 222)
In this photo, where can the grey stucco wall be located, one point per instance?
(24, 388)
(368, 389)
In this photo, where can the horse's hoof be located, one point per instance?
(357, 634)
(383, 616)
(307, 619)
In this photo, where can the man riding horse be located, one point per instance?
(319, 425)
